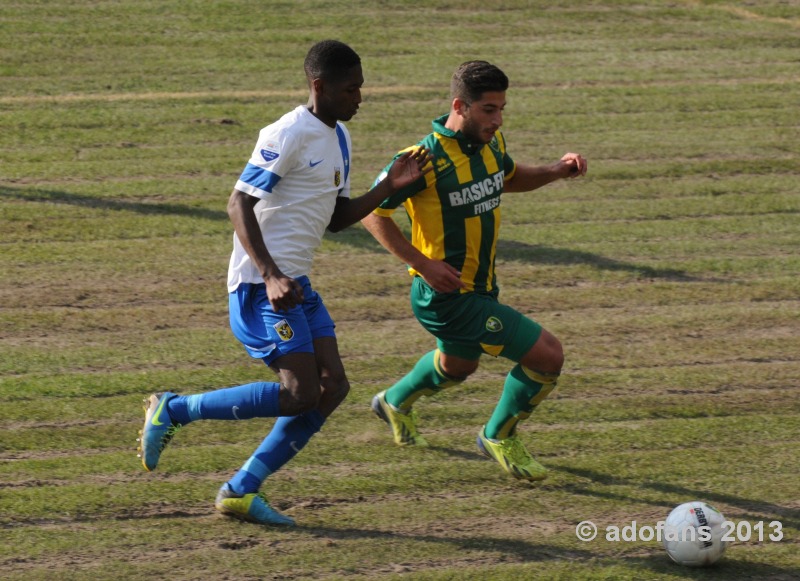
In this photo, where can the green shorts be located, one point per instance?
(469, 324)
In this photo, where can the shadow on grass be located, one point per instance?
(460, 454)
(60, 197)
(521, 552)
(540, 254)
(356, 236)
(514, 251)
(728, 568)
(756, 509)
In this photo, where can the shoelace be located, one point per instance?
(168, 435)
(514, 449)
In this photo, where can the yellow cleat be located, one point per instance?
(511, 454)
(404, 425)
(252, 507)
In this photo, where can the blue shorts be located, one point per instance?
(268, 335)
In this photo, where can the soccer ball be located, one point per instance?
(693, 534)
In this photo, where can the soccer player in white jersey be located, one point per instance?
(294, 187)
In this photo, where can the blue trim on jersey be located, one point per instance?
(260, 178)
(345, 153)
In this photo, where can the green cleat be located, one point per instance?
(158, 429)
(404, 425)
(252, 507)
(512, 456)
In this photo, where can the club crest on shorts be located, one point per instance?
(494, 325)
(284, 330)
(337, 176)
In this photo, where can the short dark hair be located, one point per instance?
(328, 59)
(474, 78)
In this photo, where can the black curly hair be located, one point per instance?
(329, 59)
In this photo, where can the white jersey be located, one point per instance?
(298, 168)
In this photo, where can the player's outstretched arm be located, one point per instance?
(406, 169)
(529, 177)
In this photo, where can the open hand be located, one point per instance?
(409, 167)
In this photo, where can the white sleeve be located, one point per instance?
(273, 157)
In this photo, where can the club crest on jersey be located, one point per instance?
(494, 325)
(494, 144)
(337, 177)
(284, 330)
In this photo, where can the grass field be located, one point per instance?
(671, 274)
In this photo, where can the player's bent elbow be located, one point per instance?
(335, 228)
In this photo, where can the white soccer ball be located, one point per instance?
(693, 534)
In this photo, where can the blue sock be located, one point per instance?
(287, 438)
(252, 400)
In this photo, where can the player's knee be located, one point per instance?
(306, 402)
(547, 355)
(456, 368)
(557, 356)
(299, 398)
(335, 389)
(460, 374)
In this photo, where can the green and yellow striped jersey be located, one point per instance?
(455, 209)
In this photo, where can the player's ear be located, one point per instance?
(317, 86)
(460, 106)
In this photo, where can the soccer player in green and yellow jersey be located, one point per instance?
(455, 221)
